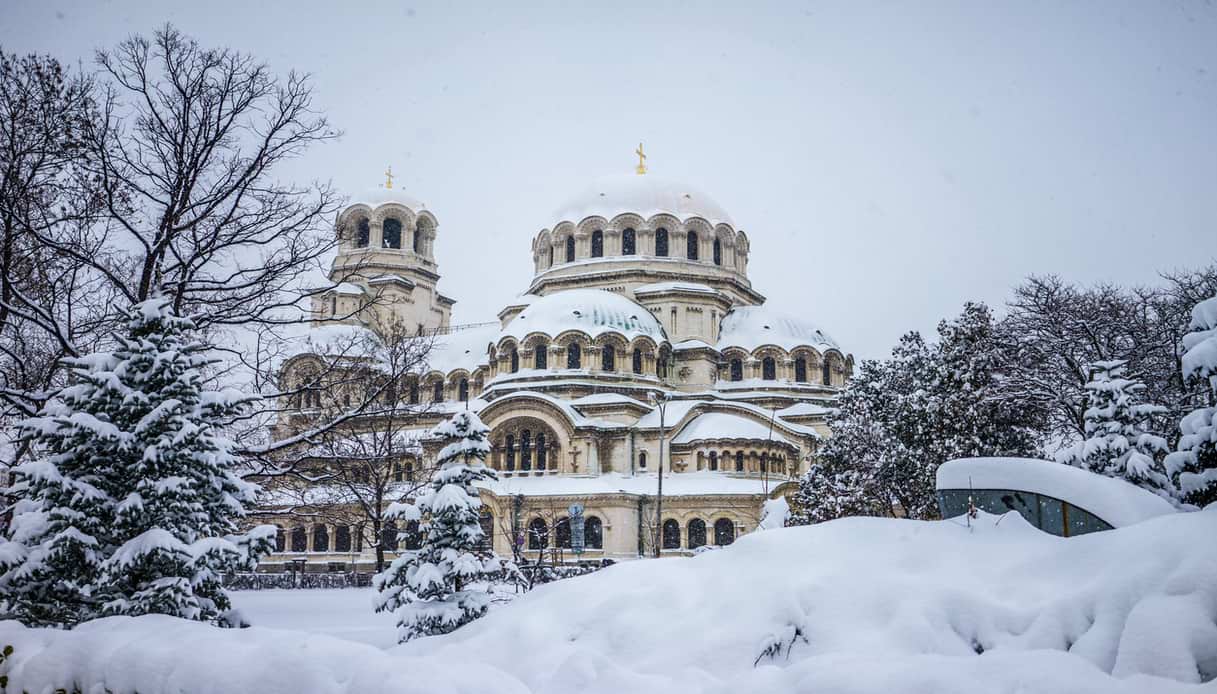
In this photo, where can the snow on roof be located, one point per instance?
(593, 311)
(337, 338)
(675, 286)
(462, 349)
(723, 425)
(804, 409)
(605, 399)
(644, 195)
(1115, 501)
(750, 327)
(676, 411)
(347, 288)
(692, 344)
(674, 484)
(375, 197)
(576, 417)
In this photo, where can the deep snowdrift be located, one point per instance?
(858, 605)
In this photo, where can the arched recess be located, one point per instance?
(671, 534)
(724, 532)
(697, 533)
(511, 415)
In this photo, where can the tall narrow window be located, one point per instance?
(718, 252)
(363, 232)
(662, 365)
(697, 533)
(487, 522)
(661, 242)
(463, 390)
(769, 369)
(388, 535)
(714, 460)
(437, 392)
(608, 358)
(562, 533)
(637, 360)
(826, 374)
(414, 535)
(538, 534)
(593, 533)
(511, 453)
(642, 460)
(321, 539)
(691, 241)
(737, 370)
(627, 242)
(597, 244)
(800, 370)
(515, 360)
(342, 538)
(551, 256)
(414, 395)
(541, 356)
(570, 249)
(280, 539)
(765, 462)
(574, 356)
(671, 534)
(526, 450)
(724, 532)
(299, 540)
(418, 237)
(542, 453)
(392, 233)
(739, 461)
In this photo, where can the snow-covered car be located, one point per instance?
(1058, 499)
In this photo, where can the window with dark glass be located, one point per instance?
(718, 252)
(826, 374)
(570, 249)
(437, 392)
(713, 460)
(691, 242)
(299, 540)
(764, 462)
(342, 538)
(800, 370)
(541, 356)
(551, 256)
(739, 461)
(409, 472)
(541, 451)
(593, 533)
(526, 450)
(697, 533)
(627, 242)
(392, 233)
(642, 460)
(538, 534)
(724, 532)
(574, 356)
(662, 365)
(321, 539)
(414, 395)
(637, 360)
(515, 360)
(463, 390)
(414, 535)
(671, 534)
(388, 535)
(768, 369)
(562, 533)
(737, 370)
(608, 358)
(280, 539)
(418, 238)
(661, 242)
(363, 233)
(511, 452)
(486, 521)
(597, 244)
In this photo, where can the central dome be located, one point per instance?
(644, 195)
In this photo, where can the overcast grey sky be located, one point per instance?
(889, 161)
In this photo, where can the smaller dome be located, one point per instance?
(644, 195)
(750, 327)
(375, 197)
(592, 311)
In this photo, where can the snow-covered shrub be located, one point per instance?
(131, 505)
(1195, 460)
(431, 589)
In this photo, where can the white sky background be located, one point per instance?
(888, 161)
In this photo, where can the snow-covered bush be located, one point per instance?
(431, 590)
(1118, 440)
(1195, 460)
(131, 505)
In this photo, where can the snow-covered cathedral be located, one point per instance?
(640, 325)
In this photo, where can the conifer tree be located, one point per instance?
(131, 505)
(1118, 440)
(431, 590)
(1194, 462)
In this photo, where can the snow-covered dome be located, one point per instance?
(750, 327)
(375, 197)
(592, 311)
(645, 195)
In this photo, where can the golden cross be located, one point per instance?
(389, 177)
(642, 160)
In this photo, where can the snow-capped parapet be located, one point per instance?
(665, 287)
(723, 426)
(644, 196)
(1114, 501)
(749, 327)
(590, 311)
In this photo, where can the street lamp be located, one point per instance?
(659, 400)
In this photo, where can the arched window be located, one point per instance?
(718, 252)
(661, 242)
(437, 392)
(551, 256)
(826, 373)
(541, 452)
(358, 538)
(462, 390)
(713, 460)
(608, 358)
(562, 533)
(765, 462)
(392, 233)
(691, 240)
(526, 450)
(511, 452)
(418, 237)
(597, 244)
(486, 521)
(515, 360)
(280, 539)
(570, 249)
(414, 395)
(627, 242)
(574, 356)
(414, 536)
(661, 366)
(388, 536)
(397, 471)
(739, 461)
(769, 369)
(724, 532)
(593, 533)
(637, 360)
(363, 233)
(541, 356)
(800, 370)
(342, 538)
(671, 534)
(299, 540)
(538, 534)
(737, 370)
(642, 460)
(697, 533)
(409, 472)
(321, 539)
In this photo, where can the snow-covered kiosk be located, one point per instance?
(1056, 498)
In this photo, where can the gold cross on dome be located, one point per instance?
(642, 160)
(389, 177)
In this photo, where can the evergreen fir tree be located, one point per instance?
(1194, 462)
(1118, 440)
(131, 506)
(431, 590)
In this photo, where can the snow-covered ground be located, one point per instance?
(858, 605)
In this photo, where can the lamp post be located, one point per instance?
(660, 400)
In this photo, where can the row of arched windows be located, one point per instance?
(391, 234)
(629, 245)
(574, 358)
(724, 533)
(727, 462)
(297, 541)
(538, 533)
(769, 370)
(524, 449)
